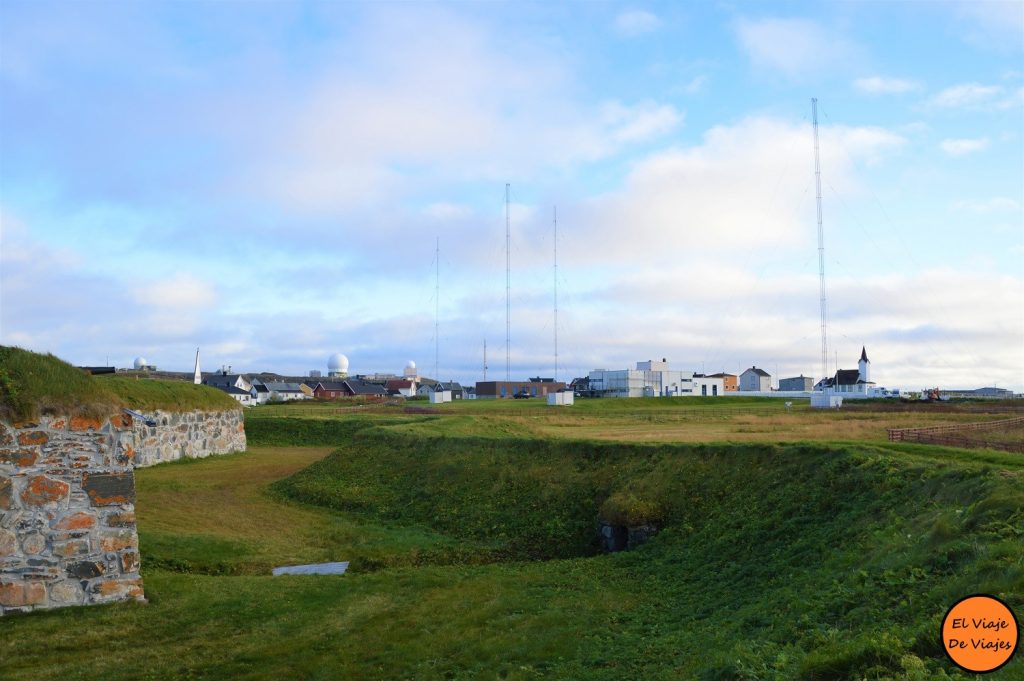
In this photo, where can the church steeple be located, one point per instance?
(864, 366)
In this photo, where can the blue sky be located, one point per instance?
(266, 180)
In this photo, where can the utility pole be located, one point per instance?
(485, 360)
(821, 247)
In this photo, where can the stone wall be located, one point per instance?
(187, 435)
(67, 514)
(67, 501)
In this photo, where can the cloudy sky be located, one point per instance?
(268, 180)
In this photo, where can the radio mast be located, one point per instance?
(555, 221)
(508, 287)
(821, 247)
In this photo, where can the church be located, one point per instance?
(851, 381)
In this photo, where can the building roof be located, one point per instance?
(282, 387)
(261, 388)
(330, 385)
(232, 390)
(448, 385)
(864, 354)
(398, 384)
(362, 388)
(721, 374)
(218, 380)
(847, 377)
(759, 372)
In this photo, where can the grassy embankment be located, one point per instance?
(774, 562)
(32, 384)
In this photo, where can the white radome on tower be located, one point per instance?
(410, 364)
(140, 362)
(337, 365)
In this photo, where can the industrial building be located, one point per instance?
(489, 390)
(801, 382)
(652, 378)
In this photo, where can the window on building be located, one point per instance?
(703, 390)
(714, 390)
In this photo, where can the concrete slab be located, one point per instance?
(316, 569)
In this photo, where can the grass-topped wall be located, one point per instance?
(32, 384)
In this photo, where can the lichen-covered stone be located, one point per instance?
(86, 569)
(42, 490)
(19, 594)
(66, 593)
(8, 543)
(83, 423)
(33, 544)
(33, 437)
(6, 494)
(19, 456)
(105, 489)
(76, 521)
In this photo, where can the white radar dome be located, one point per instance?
(140, 362)
(337, 362)
(410, 364)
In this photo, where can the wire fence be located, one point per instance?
(954, 435)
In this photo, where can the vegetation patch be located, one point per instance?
(32, 384)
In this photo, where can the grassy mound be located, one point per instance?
(32, 384)
(772, 561)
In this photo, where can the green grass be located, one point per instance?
(32, 384)
(474, 555)
(149, 394)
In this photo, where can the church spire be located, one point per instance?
(864, 354)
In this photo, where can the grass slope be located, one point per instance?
(805, 561)
(788, 561)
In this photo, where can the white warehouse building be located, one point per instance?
(653, 379)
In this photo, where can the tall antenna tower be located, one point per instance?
(508, 286)
(555, 221)
(437, 302)
(485, 360)
(821, 247)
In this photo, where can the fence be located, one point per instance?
(949, 435)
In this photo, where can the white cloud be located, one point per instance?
(696, 85)
(962, 147)
(636, 22)
(967, 95)
(742, 188)
(796, 47)
(879, 85)
(991, 24)
(997, 204)
(639, 123)
(429, 97)
(181, 292)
